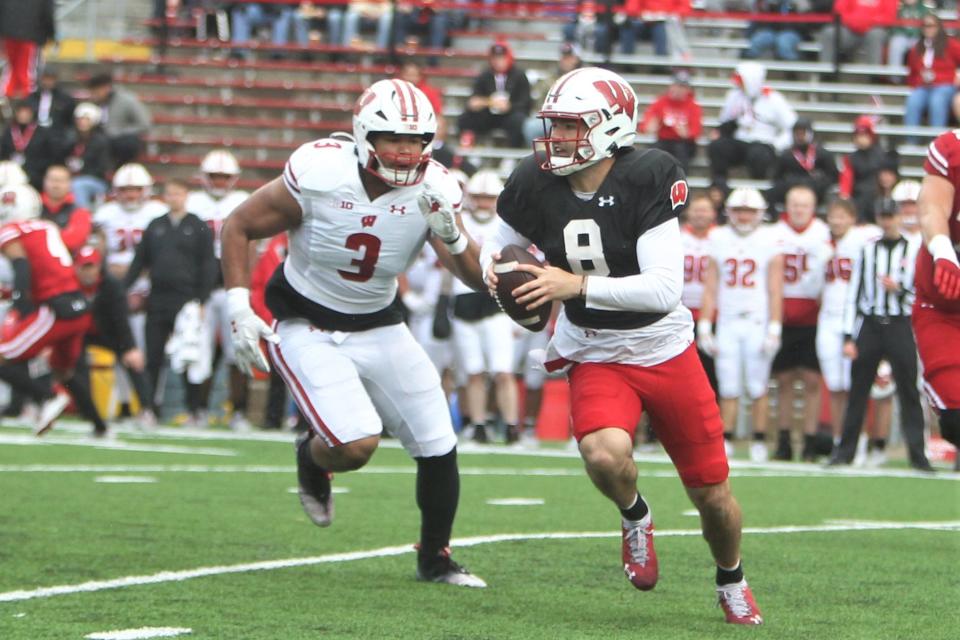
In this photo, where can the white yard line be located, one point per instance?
(139, 634)
(114, 445)
(188, 574)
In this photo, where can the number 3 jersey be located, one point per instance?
(598, 237)
(344, 258)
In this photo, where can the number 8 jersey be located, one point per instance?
(344, 259)
(596, 236)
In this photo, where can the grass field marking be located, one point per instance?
(113, 446)
(139, 634)
(269, 565)
(516, 502)
(125, 480)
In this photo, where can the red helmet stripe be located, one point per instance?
(398, 87)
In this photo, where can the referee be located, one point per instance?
(877, 326)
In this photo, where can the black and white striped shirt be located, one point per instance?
(866, 296)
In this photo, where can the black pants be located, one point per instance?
(276, 402)
(682, 150)
(161, 318)
(483, 121)
(125, 148)
(891, 339)
(726, 152)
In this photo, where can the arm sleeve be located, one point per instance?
(502, 236)
(22, 299)
(658, 286)
(116, 314)
(77, 231)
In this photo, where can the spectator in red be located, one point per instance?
(858, 176)
(676, 119)
(862, 26)
(24, 28)
(60, 208)
(412, 72)
(932, 72)
(268, 262)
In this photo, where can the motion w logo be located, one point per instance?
(618, 95)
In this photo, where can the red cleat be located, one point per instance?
(738, 604)
(639, 556)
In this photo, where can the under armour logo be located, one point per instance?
(346, 205)
(590, 333)
(605, 202)
(367, 221)
(400, 210)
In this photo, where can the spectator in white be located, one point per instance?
(482, 333)
(123, 117)
(862, 28)
(743, 285)
(755, 125)
(847, 241)
(805, 244)
(52, 103)
(87, 155)
(906, 196)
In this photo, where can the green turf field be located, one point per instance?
(211, 539)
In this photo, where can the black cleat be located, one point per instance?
(442, 569)
(784, 449)
(314, 484)
(513, 433)
(480, 434)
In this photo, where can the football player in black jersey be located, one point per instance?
(606, 217)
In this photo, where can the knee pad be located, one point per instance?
(950, 426)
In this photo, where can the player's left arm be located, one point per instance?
(17, 255)
(465, 264)
(775, 290)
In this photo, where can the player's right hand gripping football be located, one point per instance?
(438, 212)
(246, 330)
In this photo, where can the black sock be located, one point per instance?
(438, 492)
(638, 511)
(759, 437)
(728, 436)
(729, 577)
(81, 396)
(809, 442)
(784, 435)
(17, 376)
(877, 444)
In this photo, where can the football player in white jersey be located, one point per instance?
(906, 195)
(805, 243)
(219, 172)
(358, 215)
(743, 287)
(426, 281)
(482, 332)
(121, 224)
(847, 240)
(605, 216)
(701, 217)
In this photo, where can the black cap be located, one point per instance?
(887, 208)
(803, 123)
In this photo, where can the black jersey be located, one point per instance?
(598, 236)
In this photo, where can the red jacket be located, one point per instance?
(862, 15)
(670, 113)
(634, 8)
(944, 67)
(267, 263)
(75, 222)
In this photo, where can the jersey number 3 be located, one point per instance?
(370, 246)
(584, 247)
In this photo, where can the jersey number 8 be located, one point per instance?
(584, 248)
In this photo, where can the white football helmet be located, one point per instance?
(605, 108)
(746, 199)
(19, 202)
(89, 111)
(219, 162)
(11, 174)
(482, 190)
(906, 191)
(397, 107)
(132, 175)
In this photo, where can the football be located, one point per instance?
(509, 279)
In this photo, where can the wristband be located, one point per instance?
(942, 249)
(458, 246)
(704, 328)
(774, 328)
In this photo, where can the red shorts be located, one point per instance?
(938, 334)
(676, 395)
(26, 337)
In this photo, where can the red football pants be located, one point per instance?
(19, 78)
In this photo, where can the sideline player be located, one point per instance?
(219, 172)
(936, 312)
(743, 287)
(701, 218)
(359, 214)
(605, 216)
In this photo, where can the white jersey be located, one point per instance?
(696, 250)
(742, 264)
(348, 251)
(214, 211)
(805, 257)
(479, 231)
(839, 269)
(123, 229)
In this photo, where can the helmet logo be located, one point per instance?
(678, 194)
(9, 197)
(365, 99)
(619, 96)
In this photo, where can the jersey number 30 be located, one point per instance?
(584, 247)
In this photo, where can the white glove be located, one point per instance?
(771, 342)
(246, 329)
(705, 340)
(439, 215)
